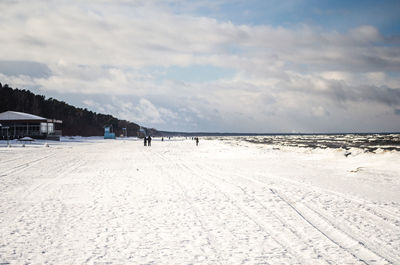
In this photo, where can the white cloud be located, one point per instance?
(319, 111)
(282, 76)
(141, 110)
(89, 103)
(336, 75)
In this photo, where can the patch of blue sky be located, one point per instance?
(191, 74)
(393, 74)
(339, 15)
(28, 68)
(235, 49)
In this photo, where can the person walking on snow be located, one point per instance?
(149, 140)
(197, 141)
(145, 141)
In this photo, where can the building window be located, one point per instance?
(50, 128)
(43, 127)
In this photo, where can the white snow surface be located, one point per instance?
(93, 201)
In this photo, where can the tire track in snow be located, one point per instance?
(196, 212)
(367, 254)
(282, 223)
(371, 244)
(25, 165)
(337, 236)
(22, 191)
(40, 186)
(27, 215)
(357, 224)
(193, 208)
(255, 219)
(2, 162)
(72, 166)
(366, 206)
(375, 211)
(385, 255)
(383, 211)
(251, 217)
(285, 221)
(366, 249)
(375, 248)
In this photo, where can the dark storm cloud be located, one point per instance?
(27, 68)
(339, 91)
(385, 95)
(29, 40)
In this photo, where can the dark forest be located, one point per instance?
(76, 121)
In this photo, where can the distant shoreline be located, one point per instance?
(165, 133)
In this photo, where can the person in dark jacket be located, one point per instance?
(149, 140)
(145, 141)
(197, 141)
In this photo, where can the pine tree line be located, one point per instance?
(76, 121)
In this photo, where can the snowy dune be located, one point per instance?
(229, 202)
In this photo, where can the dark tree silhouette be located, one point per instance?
(76, 121)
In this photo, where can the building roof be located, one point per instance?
(14, 115)
(21, 116)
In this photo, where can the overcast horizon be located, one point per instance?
(212, 66)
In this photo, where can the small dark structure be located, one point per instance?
(124, 132)
(16, 125)
(108, 132)
(141, 133)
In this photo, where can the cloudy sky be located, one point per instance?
(212, 65)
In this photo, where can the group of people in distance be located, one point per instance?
(147, 141)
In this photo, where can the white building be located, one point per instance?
(15, 125)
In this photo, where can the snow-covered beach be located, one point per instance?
(97, 201)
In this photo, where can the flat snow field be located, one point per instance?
(223, 202)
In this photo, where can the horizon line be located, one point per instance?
(276, 133)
